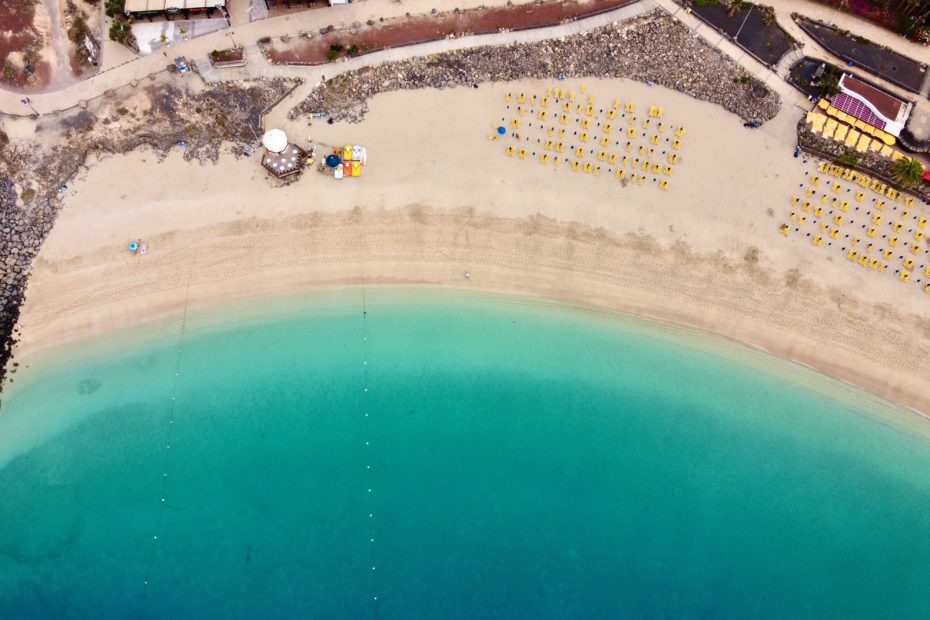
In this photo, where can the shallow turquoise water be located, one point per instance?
(526, 461)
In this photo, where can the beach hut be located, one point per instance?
(282, 158)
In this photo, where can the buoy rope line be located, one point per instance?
(366, 426)
(166, 462)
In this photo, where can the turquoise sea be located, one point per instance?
(394, 453)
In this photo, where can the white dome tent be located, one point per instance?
(275, 140)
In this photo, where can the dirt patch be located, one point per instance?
(21, 42)
(360, 39)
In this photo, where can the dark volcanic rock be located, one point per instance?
(654, 48)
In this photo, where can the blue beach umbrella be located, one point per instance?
(133, 246)
(501, 130)
(333, 160)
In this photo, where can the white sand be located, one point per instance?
(438, 198)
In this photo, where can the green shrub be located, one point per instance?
(113, 8)
(120, 31)
(78, 30)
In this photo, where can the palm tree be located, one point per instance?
(907, 171)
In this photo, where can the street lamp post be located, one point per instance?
(736, 36)
(26, 102)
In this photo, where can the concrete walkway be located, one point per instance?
(259, 67)
(245, 34)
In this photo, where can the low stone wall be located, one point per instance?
(652, 48)
(869, 162)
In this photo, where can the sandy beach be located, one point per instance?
(438, 198)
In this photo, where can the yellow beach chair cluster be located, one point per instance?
(856, 134)
(599, 142)
(883, 235)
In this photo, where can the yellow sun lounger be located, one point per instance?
(852, 137)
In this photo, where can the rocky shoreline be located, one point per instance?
(654, 48)
(160, 115)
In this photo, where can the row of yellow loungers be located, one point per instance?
(864, 180)
(829, 226)
(852, 136)
(554, 138)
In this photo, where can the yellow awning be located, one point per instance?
(840, 133)
(852, 137)
(886, 151)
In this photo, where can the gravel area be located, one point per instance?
(651, 48)
(758, 31)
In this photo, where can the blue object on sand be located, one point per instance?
(133, 246)
(501, 130)
(333, 160)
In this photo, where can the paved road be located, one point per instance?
(247, 33)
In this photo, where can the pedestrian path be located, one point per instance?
(784, 127)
